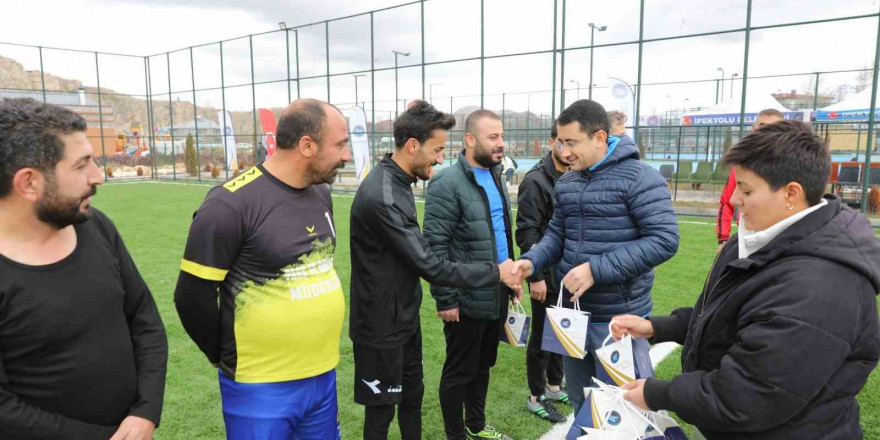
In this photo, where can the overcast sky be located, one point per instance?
(452, 29)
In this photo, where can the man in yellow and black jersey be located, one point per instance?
(264, 241)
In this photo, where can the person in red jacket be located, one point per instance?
(725, 209)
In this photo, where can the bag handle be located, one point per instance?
(577, 304)
(605, 342)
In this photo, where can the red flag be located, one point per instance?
(268, 121)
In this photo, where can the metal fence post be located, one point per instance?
(192, 71)
(100, 113)
(422, 6)
(816, 94)
(154, 169)
(171, 117)
(553, 81)
(42, 75)
(639, 78)
(222, 118)
(562, 63)
(287, 54)
(326, 57)
(677, 165)
(372, 93)
(482, 53)
(253, 98)
(745, 75)
(871, 118)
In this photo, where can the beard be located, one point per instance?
(483, 155)
(423, 169)
(327, 176)
(59, 211)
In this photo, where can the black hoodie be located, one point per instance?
(780, 343)
(389, 254)
(534, 212)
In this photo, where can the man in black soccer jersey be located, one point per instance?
(388, 255)
(82, 348)
(264, 241)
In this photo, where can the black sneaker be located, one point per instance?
(545, 409)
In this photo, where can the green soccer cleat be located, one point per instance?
(488, 432)
(545, 409)
(560, 396)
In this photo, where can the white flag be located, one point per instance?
(360, 144)
(624, 97)
(229, 139)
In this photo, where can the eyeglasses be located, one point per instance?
(570, 144)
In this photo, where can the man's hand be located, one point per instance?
(510, 277)
(522, 268)
(134, 428)
(578, 280)
(450, 315)
(720, 246)
(516, 297)
(635, 393)
(635, 326)
(538, 290)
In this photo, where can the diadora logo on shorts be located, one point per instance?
(373, 386)
(565, 323)
(311, 231)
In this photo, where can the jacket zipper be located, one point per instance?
(706, 283)
(491, 226)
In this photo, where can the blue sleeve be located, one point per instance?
(650, 206)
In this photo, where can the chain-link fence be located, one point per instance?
(690, 76)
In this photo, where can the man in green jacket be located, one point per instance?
(467, 219)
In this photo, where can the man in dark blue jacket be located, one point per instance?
(613, 223)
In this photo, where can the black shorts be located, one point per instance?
(388, 376)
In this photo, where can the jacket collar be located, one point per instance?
(394, 169)
(549, 167)
(788, 241)
(619, 149)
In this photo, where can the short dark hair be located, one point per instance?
(419, 123)
(783, 152)
(590, 114)
(30, 137)
(471, 121)
(305, 117)
(770, 112)
(554, 132)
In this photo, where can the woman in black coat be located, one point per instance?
(785, 332)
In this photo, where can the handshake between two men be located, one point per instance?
(578, 280)
(513, 273)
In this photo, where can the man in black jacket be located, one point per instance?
(535, 210)
(82, 347)
(388, 255)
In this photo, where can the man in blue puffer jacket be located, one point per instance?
(613, 224)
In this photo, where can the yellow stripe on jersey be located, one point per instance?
(243, 179)
(203, 272)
